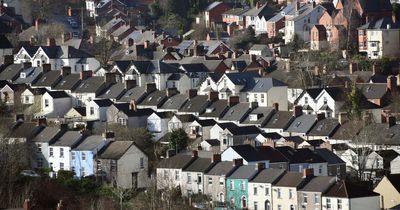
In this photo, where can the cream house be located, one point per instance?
(389, 190)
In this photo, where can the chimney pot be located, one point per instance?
(85, 74)
(237, 162)
(65, 71)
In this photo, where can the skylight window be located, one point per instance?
(150, 98)
(319, 128)
(298, 124)
(108, 92)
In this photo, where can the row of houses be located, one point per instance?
(234, 185)
(119, 163)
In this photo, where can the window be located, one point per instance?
(61, 152)
(208, 83)
(316, 198)
(266, 190)
(26, 99)
(255, 190)
(338, 170)
(51, 152)
(231, 185)
(255, 205)
(306, 100)
(83, 171)
(244, 202)
(328, 203)
(39, 147)
(279, 193)
(83, 156)
(320, 170)
(373, 44)
(339, 204)
(279, 207)
(199, 178)
(122, 121)
(113, 166)
(46, 102)
(325, 100)
(305, 198)
(73, 155)
(176, 175)
(209, 180)
(61, 166)
(39, 162)
(221, 181)
(242, 186)
(189, 178)
(262, 98)
(141, 162)
(290, 193)
(91, 110)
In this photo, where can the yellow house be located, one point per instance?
(389, 189)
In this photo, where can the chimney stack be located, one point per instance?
(192, 93)
(64, 126)
(46, 67)
(260, 166)
(65, 71)
(108, 135)
(27, 65)
(110, 78)
(171, 91)
(233, 100)
(297, 6)
(216, 158)
(314, 4)
(51, 42)
(37, 22)
(151, 87)
(253, 58)
(308, 172)
(212, 95)
(132, 105)
(69, 11)
(342, 117)
(375, 69)
(195, 153)
(258, 5)
(320, 116)
(8, 59)
(253, 105)
(238, 162)
(276, 106)
(146, 44)
(391, 121)
(129, 84)
(391, 83)
(85, 75)
(297, 111)
(352, 68)
(41, 122)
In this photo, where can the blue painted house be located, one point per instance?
(237, 185)
(82, 156)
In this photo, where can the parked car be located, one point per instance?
(29, 173)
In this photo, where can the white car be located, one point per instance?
(29, 173)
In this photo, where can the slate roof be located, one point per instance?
(195, 104)
(302, 124)
(280, 120)
(131, 113)
(178, 161)
(395, 180)
(347, 131)
(115, 91)
(154, 67)
(324, 127)
(265, 84)
(155, 98)
(251, 154)
(199, 165)
(90, 143)
(381, 24)
(205, 123)
(123, 66)
(237, 112)
(345, 189)
(263, 11)
(272, 135)
(375, 6)
(243, 172)
(244, 130)
(216, 109)
(31, 75)
(213, 5)
(90, 85)
(137, 93)
(268, 175)
(373, 91)
(4, 42)
(49, 79)
(213, 142)
(174, 102)
(243, 78)
(164, 115)
(302, 155)
(319, 184)
(194, 67)
(115, 150)
(25, 130)
(11, 72)
(69, 82)
(64, 52)
(381, 133)
(290, 179)
(222, 168)
(264, 114)
(288, 10)
(226, 125)
(103, 102)
(294, 139)
(58, 94)
(186, 118)
(69, 139)
(236, 11)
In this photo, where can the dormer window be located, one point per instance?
(254, 117)
(23, 75)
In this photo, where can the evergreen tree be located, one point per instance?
(178, 139)
(355, 103)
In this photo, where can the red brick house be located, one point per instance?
(213, 13)
(318, 37)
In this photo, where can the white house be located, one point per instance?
(344, 195)
(55, 104)
(97, 109)
(260, 50)
(57, 57)
(60, 152)
(258, 16)
(209, 84)
(269, 92)
(157, 124)
(380, 38)
(41, 144)
(244, 152)
(218, 129)
(305, 16)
